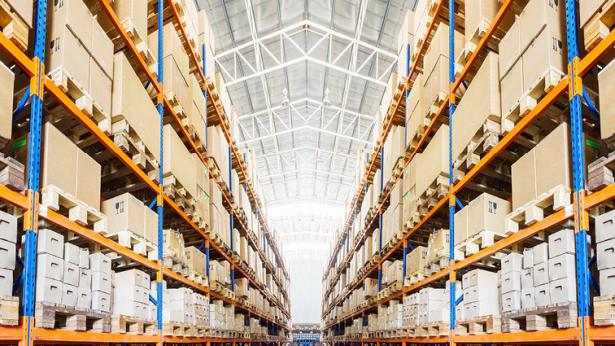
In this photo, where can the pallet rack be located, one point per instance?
(585, 333)
(26, 333)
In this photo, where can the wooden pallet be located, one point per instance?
(175, 265)
(177, 329)
(123, 324)
(415, 277)
(81, 97)
(604, 311)
(134, 242)
(13, 26)
(481, 143)
(198, 278)
(125, 137)
(476, 242)
(177, 107)
(54, 198)
(547, 203)
(479, 325)
(600, 172)
(530, 98)
(51, 316)
(432, 329)
(176, 191)
(12, 173)
(9, 311)
(559, 316)
(599, 26)
(437, 265)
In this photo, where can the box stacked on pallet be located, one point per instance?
(415, 265)
(477, 19)
(405, 45)
(218, 149)
(8, 239)
(196, 261)
(433, 305)
(432, 183)
(6, 104)
(179, 173)
(437, 255)
(173, 250)
(131, 294)
(178, 306)
(605, 259)
(411, 310)
(49, 267)
(201, 310)
(132, 224)
(532, 58)
(80, 59)
(480, 294)
(511, 281)
(219, 272)
(394, 151)
(100, 265)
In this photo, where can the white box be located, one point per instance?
(101, 301)
(527, 278)
(8, 227)
(511, 281)
(541, 274)
(562, 266)
(479, 277)
(478, 309)
(71, 253)
(540, 253)
(542, 295)
(512, 262)
(99, 262)
(84, 258)
(71, 274)
(528, 258)
(607, 282)
(69, 295)
(130, 293)
(85, 278)
(563, 290)
(561, 242)
(6, 282)
(84, 298)
(605, 226)
(605, 252)
(527, 298)
(134, 309)
(133, 277)
(480, 293)
(7, 254)
(48, 241)
(48, 290)
(101, 282)
(50, 266)
(511, 301)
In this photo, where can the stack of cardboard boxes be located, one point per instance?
(8, 238)
(433, 305)
(6, 104)
(131, 290)
(605, 238)
(511, 282)
(480, 294)
(100, 265)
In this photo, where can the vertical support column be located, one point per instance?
(160, 203)
(581, 218)
(451, 201)
(231, 216)
(404, 260)
(380, 217)
(30, 223)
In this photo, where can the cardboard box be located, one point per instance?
(607, 282)
(100, 86)
(478, 17)
(100, 262)
(124, 214)
(69, 295)
(479, 277)
(487, 212)
(25, 10)
(415, 260)
(85, 278)
(6, 282)
(102, 50)
(101, 281)
(151, 225)
(132, 278)
(59, 161)
(605, 226)
(511, 262)
(527, 298)
(88, 180)
(172, 46)
(541, 274)
(49, 266)
(607, 108)
(101, 301)
(527, 278)
(48, 290)
(436, 83)
(415, 110)
(71, 253)
(510, 48)
(434, 160)
(68, 53)
(7, 254)
(605, 252)
(551, 49)
(541, 15)
(528, 258)
(84, 298)
(50, 242)
(562, 266)
(178, 160)
(71, 274)
(133, 15)
(511, 89)
(480, 102)
(542, 295)
(487, 293)
(125, 294)
(132, 103)
(197, 109)
(540, 253)
(196, 261)
(511, 301)
(439, 47)
(511, 281)
(6, 102)
(563, 290)
(561, 242)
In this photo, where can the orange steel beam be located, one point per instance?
(61, 336)
(553, 336)
(11, 333)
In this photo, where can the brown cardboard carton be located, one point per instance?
(151, 225)
(433, 161)
(510, 47)
(439, 47)
(205, 31)
(196, 110)
(606, 85)
(436, 85)
(480, 103)
(59, 160)
(415, 117)
(461, 225)
(173, 46)
(540, 14)
(72, 14)
(415, 260)
(175, 83)
(65, 51)
(486, 212)
(132, 14)
(478, 17)
(178, 161)
(196, 261)
(131, 102)
(7, 78)
(552, 59)
(100, 86)
(25, 10)
(587, 9)
(553, 160)
(88, 180)
(125, 213)
(102, 48)
(523, 173)
(511, 87)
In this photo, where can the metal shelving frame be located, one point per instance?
(26, 333)
(585, 334)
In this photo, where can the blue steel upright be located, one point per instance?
(451, 204)
(231, 214)
(33, 179)
(159, 205)
(380, 217)
(581, 222)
